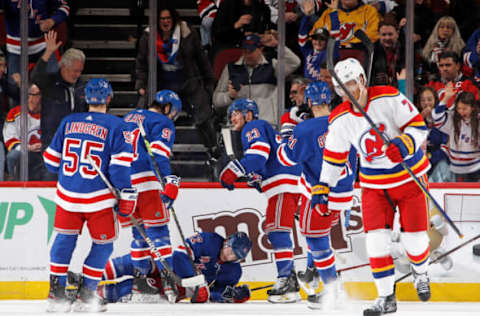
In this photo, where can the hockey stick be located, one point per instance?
(156, 170)
(442, 256)
(185, 282)
(227, 141)
(362, 36)
(386, 141)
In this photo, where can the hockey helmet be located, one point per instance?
(243, 105)
(240, 244)
(97, 91)
(347, 70)
(318, 92)
(166, 96)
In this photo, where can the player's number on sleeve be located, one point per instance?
(79, 163)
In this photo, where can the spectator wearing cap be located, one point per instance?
(253, 76)
(314, 46)
(388, 54)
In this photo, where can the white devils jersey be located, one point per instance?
(394, 115)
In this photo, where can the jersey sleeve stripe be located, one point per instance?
(122, 159)
(52, 157)
(161, 149)
(334, 157)
(283, 157)
(11, 143)
(416, 122)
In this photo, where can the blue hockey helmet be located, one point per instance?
(318, 92)
(169, 97)
(240, 244)
(243, 105)
(97, 91)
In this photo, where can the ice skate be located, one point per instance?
(382, 305)
(89, 301)
(57, 301)
(309, 280)
(145, 289)
(169, 289)
(73, 283)
(422, 285)
(331, 297)
(285, 290)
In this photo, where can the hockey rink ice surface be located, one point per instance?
(260, 308)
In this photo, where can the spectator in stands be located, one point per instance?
(383, 6)
(444, 37)
(471, 56)
(389, 54)
(298, 111)
(423, 22)
(253, 76)
(182, 67)
(12, 132)
(353, 15)
(462, 126)
(427, 98)
(42, 17)
(63, 91)
(314, 46)
(236, 19)
(449, 65)
(207, 10)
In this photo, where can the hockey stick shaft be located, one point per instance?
(443, 255)
(140, 229)
(162, 184)
(386, 141)
(362, 36)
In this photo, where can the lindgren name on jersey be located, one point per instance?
(86, 128)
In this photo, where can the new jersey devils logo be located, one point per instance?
(371, 143)
(346, 31)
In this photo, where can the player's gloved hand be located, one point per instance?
(400, 147)
(170, 192)
(201, 294)
(128, 201)
(319, 202)
(255, 181)
(232, 171)
(238, 294)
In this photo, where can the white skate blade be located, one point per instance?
(291, 297)
(193, 281)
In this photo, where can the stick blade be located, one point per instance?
(227, 141)
(330, 49)
(193, 281)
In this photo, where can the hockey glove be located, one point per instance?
(319, 202)
(400, 147)
(170, 191)
(238, 294)
(255, 181)
(232, 171)
(201, 294)
(128, 201)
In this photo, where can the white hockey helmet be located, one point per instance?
(347, 70)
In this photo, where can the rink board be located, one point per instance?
(26, 232)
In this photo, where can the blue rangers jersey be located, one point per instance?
(104, 138)
(259, 139)
(206, 249)
(305, 147)
(160, 132)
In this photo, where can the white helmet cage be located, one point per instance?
(347, 70)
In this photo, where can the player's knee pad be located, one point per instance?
(377, 242)
(280, 240)
(415, 243)
(63, 247)
(317, 244)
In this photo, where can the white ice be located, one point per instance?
(260, 308)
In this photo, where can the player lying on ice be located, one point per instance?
(217, 258)
(385, 184)
(305, 148)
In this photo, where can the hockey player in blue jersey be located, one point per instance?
(82, 196)
(305, 147)
(217, 258)
(279, 184)
(153, 203)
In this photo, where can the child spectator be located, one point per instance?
(461, 125)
